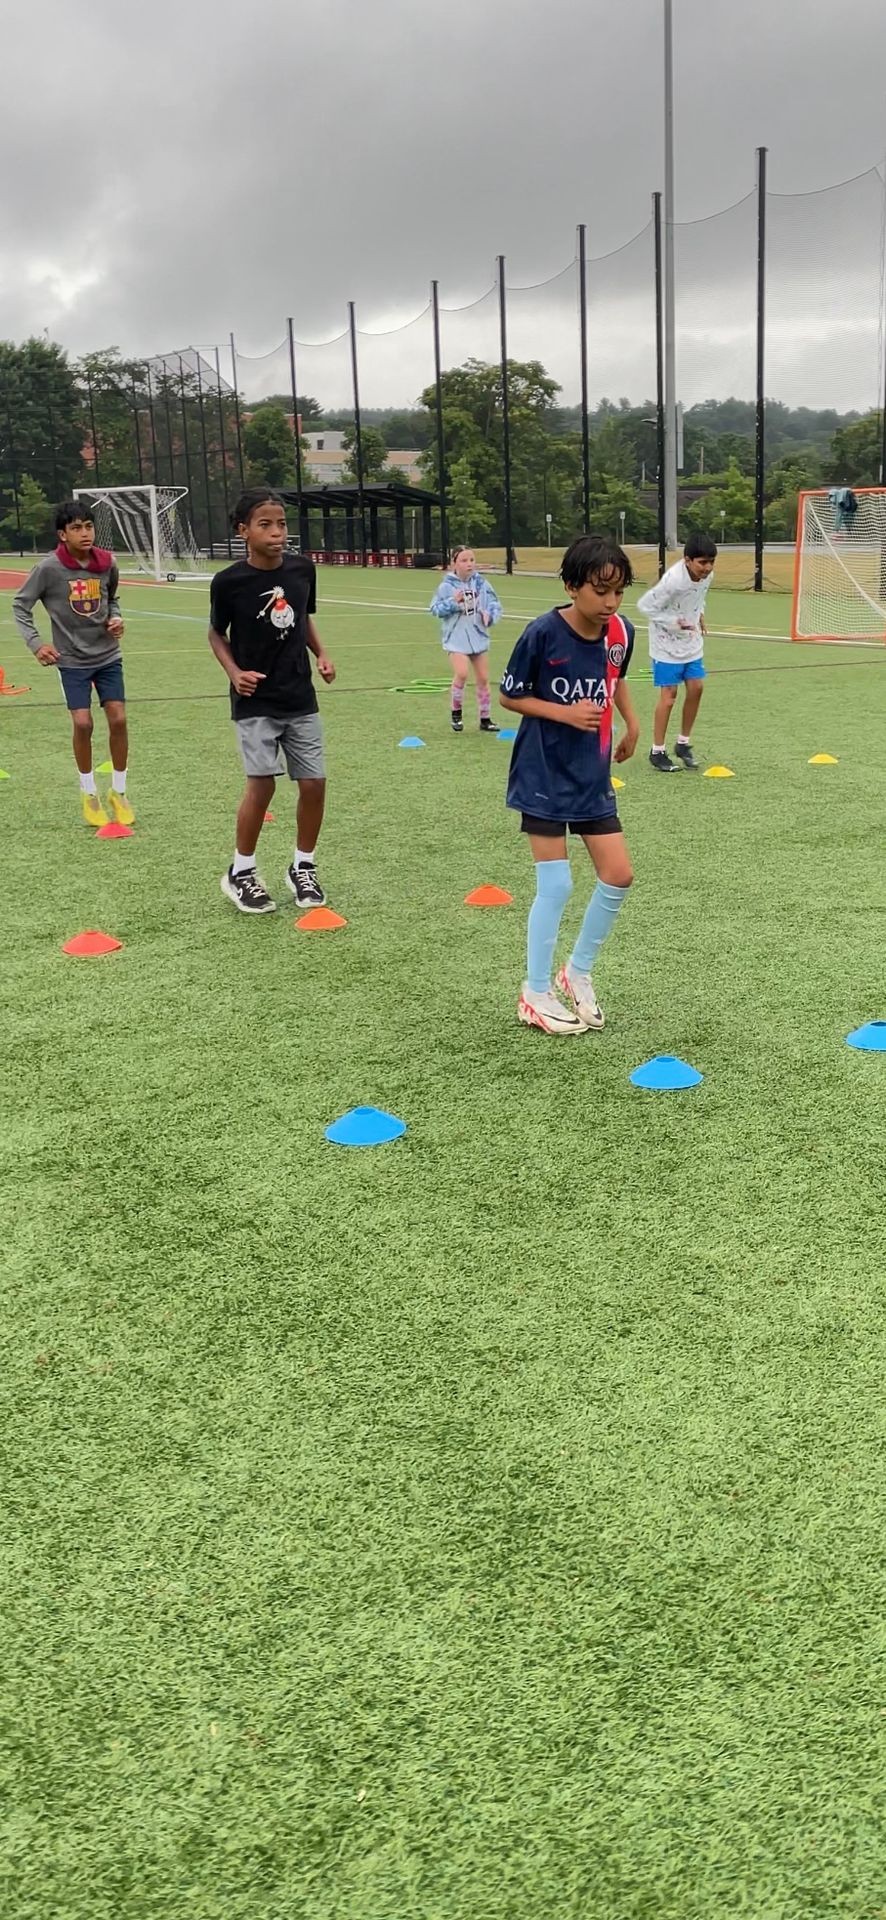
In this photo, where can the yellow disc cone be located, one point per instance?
(719, 773)
(822, 760)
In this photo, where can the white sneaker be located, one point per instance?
(578, 989)
(544, 1010)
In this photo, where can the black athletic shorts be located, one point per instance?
(552, 829)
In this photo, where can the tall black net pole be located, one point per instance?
(170, 442)
(185, 437)
(153, 429)
(13, 469)
(505, 416)
(583, 340)
(50, 418)
(237, 421)
(358, 432)
(224, 453)
(659, 385)
(441, 436)
(137, 435)
(760, 435)
(295, 426)
(202, 414)
(95, 454)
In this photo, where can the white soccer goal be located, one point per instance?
(840, 565)
(150, 523)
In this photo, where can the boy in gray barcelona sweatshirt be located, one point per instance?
(77, 584)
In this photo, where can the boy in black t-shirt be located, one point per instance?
(261, 630)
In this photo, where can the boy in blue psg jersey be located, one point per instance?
(564, 678)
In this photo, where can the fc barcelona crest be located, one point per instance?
(85, 596)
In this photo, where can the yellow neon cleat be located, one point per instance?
(119, 807)
(93, 811)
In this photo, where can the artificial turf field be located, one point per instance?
(487, 1527)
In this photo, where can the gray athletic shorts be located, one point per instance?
(270, 745)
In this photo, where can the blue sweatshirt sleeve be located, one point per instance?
(491, 602)
(444, 601)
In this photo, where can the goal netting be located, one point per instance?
(150, 523)
(840, 565)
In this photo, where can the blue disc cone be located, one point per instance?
(871, 1038)
(411, 740)
(665, 1074)
(365, 1127)
(507, 733)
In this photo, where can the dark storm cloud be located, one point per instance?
(172, 174)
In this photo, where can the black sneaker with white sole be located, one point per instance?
(662, 762)
(458, 725)
(684, 752)
(303, 882)
(488, 726)
(247, 891)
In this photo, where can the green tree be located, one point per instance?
(855, 454)
(268, 447)
(373, 452)
(33, 508)
(545, 465)
(41, 426)
(726, 511)
(105, 384)
(470, 518)
(309, 409)
(610, 498)
(785, 479)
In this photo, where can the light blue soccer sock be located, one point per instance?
(553, 881)
(605, 903)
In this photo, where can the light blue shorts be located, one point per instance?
(671, 673)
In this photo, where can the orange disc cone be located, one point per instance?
(269, 816)
(89, 945)
(320, 920)
(114, 831)
(489, 897)
(10, 691)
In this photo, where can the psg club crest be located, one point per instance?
(282, 615)
(616, 654)
(85, 596)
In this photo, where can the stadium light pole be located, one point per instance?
(201, 413)
(441, 430)
(138, 438)
(237, 412)
(192, 504)
(659, 389)
(505, 414)
(670, 348)
(358, 431)
(153, 425)
(296, 433)
(170, 443)
(760, 434)
(224, 451)
(583, 349)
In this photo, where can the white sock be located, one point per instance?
(303, 859)
(682, 739)
(657, 749)
(87, 783)
(118, 781)
(242, 862)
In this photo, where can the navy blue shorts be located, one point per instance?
(78, 682)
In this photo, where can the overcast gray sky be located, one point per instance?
(173, 172)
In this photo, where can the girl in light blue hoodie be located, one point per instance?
(467, 607)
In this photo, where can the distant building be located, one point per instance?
(327, 458)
